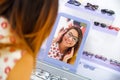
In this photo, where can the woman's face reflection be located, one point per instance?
(70, 38)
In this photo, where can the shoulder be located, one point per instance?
(22, 69)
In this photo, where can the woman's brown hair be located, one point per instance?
(31, 20)
(77, 45)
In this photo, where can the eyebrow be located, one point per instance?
(73, 35)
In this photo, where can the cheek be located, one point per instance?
(73, 44)
(64, 38)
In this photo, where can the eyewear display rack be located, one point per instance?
(92, 16)
(101, 36)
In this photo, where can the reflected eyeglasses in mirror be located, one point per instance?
(74, 38)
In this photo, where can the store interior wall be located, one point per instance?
(108, 4)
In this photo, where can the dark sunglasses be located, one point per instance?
(91, 7)
(106, 11)
(100, 24)
(74, 2)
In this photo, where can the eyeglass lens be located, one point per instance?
(75, 39)
(74, 2)
(101, 24)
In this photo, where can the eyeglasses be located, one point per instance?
(114, 28)
(88, 54)
(74, 2)
(100, 24)
(69, 34)
(115, 62)
(109, 12)
(89, 67)
(91, 7)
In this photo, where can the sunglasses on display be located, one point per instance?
(100, 24)
(103, 25)
(90, 55)
(100, 57)
(115, 62)
(88, 67)
(91, 7)
(114, 28)
(106, 11)
(69, 34)
(74, 2)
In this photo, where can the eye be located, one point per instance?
(75, 39)
(70, 34)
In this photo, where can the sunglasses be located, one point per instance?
(88, 67)
(106, 11)
(90, 55)
(91, 7)
(100, 24)
(114, 28)
(100, 57)
(115, 62)
(74, 2)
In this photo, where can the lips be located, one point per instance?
(67, 41)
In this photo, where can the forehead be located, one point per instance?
(74, 32)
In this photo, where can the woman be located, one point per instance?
(24, 25)
(66, 45)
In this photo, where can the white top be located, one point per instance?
(54, 51)
(9, 55)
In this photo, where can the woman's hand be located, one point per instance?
(60, 34)
(69, 55)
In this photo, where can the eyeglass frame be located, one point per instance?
(91, 6)
(74, 2)
(106, 11)
(74, 38)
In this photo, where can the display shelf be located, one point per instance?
(93, 13)
(105, 30)
(106, 63)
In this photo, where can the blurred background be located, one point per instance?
(108, 4)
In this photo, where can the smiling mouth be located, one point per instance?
(68, 42)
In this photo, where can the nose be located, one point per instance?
(70, 39)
